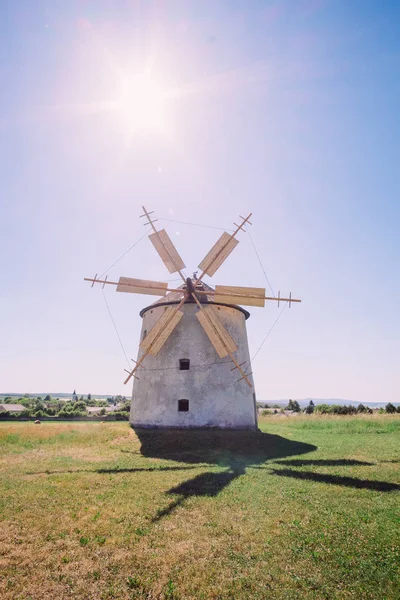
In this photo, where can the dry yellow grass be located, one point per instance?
(85, 515)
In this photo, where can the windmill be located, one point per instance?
(205, 325)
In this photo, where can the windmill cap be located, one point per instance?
(176, 297)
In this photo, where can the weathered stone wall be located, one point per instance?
(216, 398)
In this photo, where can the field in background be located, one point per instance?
(307, 509)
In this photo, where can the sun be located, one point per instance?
(142, 104)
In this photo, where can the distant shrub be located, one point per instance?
(70, 413)
(39, 414)
(335, 409)
(390, 408)
(121, 416)
(323, 409)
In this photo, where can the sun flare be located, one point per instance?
(141, 104)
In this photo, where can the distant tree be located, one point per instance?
(324, 409)
(390, 408)
(293, 405)
(103, 412)
(364, 409)
(74, 396)
(310, 408)
(89, 396)
(398, 409)
(47, 398)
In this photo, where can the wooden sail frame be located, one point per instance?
(167, 251)
(142, 286)
(219, 337)
(160, 332)
(216, 332)
(218, 254)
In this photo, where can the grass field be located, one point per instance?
(307, 509)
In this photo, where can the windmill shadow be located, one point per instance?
(232, 450)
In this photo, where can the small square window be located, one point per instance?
(183, 405)
(184, 364)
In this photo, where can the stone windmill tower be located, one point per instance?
(193, 365)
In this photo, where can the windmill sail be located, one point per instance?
(218, 254)
(216, 332)
(167, 251)
(142, 286)
(161, 331)
(248, 296)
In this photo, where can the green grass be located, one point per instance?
(309, 509)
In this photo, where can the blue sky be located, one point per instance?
(288, 109)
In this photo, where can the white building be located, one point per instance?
(186, 384)
(12, 408)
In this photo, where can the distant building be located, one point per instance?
(12, 408)
(93, 410)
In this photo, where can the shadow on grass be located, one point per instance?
(366, 484)
(112, 470)
(233, 450)
(340, 462)
(206, 484)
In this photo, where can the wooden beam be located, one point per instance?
(273, 298)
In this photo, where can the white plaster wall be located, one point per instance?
(216, 398)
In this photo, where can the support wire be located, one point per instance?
(116, 329)
(273, 325)
(259, 260)
(122, 255)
